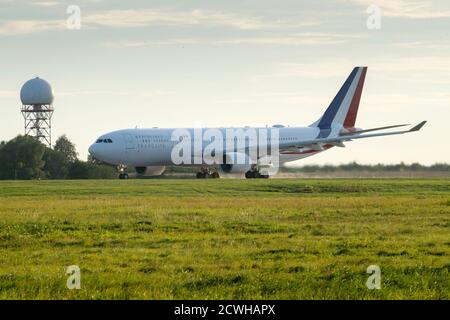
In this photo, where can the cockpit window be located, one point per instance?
(104, 141)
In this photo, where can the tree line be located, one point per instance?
(354, 166)
(348, 167)
(25, 157)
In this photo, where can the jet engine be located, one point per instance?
(235, 162)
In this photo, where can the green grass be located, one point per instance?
(225, 239)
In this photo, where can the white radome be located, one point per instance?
(36, 91)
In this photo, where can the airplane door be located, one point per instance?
(130, 142)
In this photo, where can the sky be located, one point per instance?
(232, 63)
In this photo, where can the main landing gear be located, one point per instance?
(205, 173)
(255, 174)
(122, 174)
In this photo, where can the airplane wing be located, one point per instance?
(338, 141)
(372, 129)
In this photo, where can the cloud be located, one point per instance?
(152, 17)
(284, 40)
(155, 93)
(295, 39)
(388, 102)
(433, 69)
(46, 3)
(308, 70)
(144, 94)
(91, 93)
(149, 17)
(18, 27)
(412, 9)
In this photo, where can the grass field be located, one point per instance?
(225, 239)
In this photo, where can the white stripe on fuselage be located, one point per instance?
(339, 119)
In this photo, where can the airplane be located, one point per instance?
(149, 151)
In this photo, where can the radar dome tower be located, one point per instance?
(37, 109)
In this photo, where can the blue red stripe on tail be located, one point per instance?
(343, 109)
(350, 119)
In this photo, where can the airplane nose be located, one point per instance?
(91, 150)
(107, 149)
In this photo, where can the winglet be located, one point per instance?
(418, 127)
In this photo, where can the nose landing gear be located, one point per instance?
(122, 174)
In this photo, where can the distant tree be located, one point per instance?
(354, 166)
(416, 166)
(67, 148)
(440, 167)
(79, 170)
(102, 171)
(93, 160)
(87, 170)
(56, 164)
(21, 158)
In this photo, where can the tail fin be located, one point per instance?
(342, 111)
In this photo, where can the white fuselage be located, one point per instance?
(153, 147)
